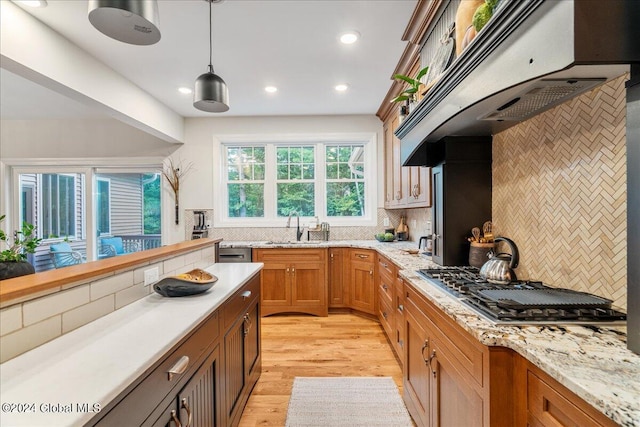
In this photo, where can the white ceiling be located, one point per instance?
(291, 44)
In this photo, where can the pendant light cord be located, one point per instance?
(210, 39)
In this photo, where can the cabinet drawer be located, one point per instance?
(387, 267)
(143, 398)
(363, 255)
(289, 255)
(240, 301)
(387, 319)
(548, 405)
(385, 287)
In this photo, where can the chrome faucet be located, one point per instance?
(298, 231)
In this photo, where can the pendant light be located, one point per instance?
(129, 21)
(211, 93)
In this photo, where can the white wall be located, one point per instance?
(77, 138)
(198, 192)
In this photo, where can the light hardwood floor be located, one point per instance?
(308, 346)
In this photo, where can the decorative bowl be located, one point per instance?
(190, 283)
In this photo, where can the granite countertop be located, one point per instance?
(593, 362)
(96, 362)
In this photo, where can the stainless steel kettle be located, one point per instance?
(499, 268)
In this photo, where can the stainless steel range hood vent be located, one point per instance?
(544, 95)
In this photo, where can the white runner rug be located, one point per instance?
(346, 401)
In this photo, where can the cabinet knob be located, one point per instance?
(385, 287)
(246, 294)
(179, 367)
(371, 272)
(384, 314)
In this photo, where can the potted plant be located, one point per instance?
(409, 94)
(13, 259)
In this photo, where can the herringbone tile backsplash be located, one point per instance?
(559, 191)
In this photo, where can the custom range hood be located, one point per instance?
(531, 56)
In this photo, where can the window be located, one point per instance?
(295, 180)
(124, 203)
(103, 203)
(245, 176)
(58, 205)
(265, 181)
(345, 180)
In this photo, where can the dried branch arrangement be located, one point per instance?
(174, 174)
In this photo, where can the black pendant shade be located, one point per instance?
(211, 93)
(129, 21)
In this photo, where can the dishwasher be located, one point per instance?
(238, 254)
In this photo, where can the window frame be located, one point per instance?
(319, 140)
(108, 182)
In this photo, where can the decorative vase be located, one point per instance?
(11, 269)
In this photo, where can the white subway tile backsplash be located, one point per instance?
(87, 313)
(43, 308)
(193, 257)
(111, 285)
(175, 263)
(129, 295)
(10, 319)
(30, 337)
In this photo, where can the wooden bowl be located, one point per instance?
(190, 283)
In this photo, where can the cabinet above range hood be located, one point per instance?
(531, 56)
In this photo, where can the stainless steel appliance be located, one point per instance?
(200, 229)
(234, 254)
(522, 302)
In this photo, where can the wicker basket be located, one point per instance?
(478, 253)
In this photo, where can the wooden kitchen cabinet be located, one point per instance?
(450, 378)
(338, 290)
(242, 360)
(545, 402)
(293, 280)
(362, 290)
(198, 403)
(405, 187)
(385, 282)
(206, 378)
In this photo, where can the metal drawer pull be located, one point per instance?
(400, 307)
(174, 418)
(433, 355)
(246, 294)
(247, 319)
(185, 406)
(385, 287)
(424, 347)
(179, 367)
(363, 256)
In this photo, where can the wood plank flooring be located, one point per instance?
(338, 345)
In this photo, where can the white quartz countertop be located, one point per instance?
(593, 362)
(91, 365)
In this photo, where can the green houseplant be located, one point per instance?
(409, 94)
(13, 259)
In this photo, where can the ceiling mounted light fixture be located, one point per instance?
(211, 93)
(129, 21)
(350, 37)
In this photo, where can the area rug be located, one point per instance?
(346, 401)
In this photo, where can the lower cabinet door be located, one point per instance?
(199, 400)
(198, 403)
(453, 401)
(234, 369)
(416, 374)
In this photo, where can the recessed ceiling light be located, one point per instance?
(350, 37)
(185, 90)
(271, 89)
(341, 87)
(34, 3)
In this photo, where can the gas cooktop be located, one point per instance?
(522, 302)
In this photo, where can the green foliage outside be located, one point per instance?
(24, 242)
(298, 197)
(151, 191)
(246, 200)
